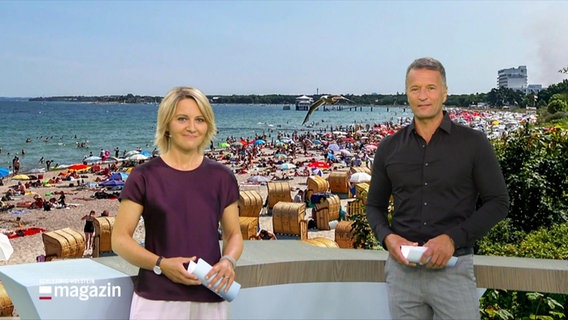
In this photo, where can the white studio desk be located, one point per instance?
(280, 279)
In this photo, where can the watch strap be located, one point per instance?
(159, 261)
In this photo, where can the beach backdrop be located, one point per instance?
(53, 130)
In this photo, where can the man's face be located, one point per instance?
(426, 92)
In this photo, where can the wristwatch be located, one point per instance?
(157, 269)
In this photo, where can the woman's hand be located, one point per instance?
(175, 270)
(221, 275)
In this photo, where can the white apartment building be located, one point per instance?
(513, 78)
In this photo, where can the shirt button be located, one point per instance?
(425, 203)
(425, 223)
(426, 164)
(425, 183)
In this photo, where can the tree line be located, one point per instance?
(496, 98)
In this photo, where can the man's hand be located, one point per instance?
(439, 250)
(393, 243)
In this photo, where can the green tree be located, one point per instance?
(535, 165)
(504, 96)
(557, 105)
(545, 95)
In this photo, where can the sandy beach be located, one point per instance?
(80, 201)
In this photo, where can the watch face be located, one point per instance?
(157, 270)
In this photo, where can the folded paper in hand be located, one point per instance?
(201, 268)
(414, 254)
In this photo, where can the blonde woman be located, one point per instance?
(182, 197)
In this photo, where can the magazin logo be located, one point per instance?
(82, 292)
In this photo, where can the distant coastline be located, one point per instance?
(493, 99)
(129, 98)
(269, 99)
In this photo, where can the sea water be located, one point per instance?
(55, 130)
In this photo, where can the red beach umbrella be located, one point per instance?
(78, 167)
(318, 164)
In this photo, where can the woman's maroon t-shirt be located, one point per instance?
(182, 210)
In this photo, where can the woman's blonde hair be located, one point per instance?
(167, 109)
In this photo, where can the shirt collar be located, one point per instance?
(446, 124)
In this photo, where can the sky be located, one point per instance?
(88, 48)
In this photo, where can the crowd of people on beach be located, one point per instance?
(265, 155)
(277, 156)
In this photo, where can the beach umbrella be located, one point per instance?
(358, 177)
(223, 145)
(318, 164)
(146, 153)
(287, 166)
(316, 141)
(317, 172)
(78, 167)
(370, 147)
(6, 248)
(137, 157)
(112, 183)
(346, 152)
(280, 156)
(333, 147)
(4, 172)
(92, 159)
(258, 179)
(259, 142)
(287, 140)
(118, 176)
(21, 177)
(37, 170)
(131, 153)
(111, 160)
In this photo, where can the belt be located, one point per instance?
(463, 251)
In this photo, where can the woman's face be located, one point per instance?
(188, 126)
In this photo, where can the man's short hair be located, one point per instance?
(430, 64)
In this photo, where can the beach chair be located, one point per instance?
(344, 235)
(102, 245)
(353, 170)
(63, 244)
(355, 207)
(6, 305)
(316, 184)
(326, 210)
(288, 220)
(321, 242)
(250, 205)
(339, 182)
(361, 191)
(278, 191)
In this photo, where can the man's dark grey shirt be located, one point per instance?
(436, 186)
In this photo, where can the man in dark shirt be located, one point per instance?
(436, 171)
